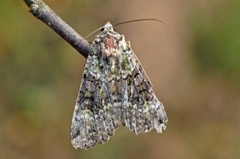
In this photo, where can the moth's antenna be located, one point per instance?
(93, 32)
(137, 20)
(129, 21)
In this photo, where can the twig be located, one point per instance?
(41, 11)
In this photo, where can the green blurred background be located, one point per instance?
(193, 62)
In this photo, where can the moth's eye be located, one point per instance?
(102, 29)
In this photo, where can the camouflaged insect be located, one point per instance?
(114, 89)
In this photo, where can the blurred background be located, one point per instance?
(193, 61)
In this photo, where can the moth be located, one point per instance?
(114, 90)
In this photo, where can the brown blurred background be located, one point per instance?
(193, 62)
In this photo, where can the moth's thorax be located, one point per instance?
(110, 46)
(111, 42)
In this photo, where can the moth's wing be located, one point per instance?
(142, 111)
(92, 122)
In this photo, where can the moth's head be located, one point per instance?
(107, 27)
(109, 41)
(108, 34)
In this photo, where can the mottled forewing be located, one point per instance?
(92, 123)
(141, 111)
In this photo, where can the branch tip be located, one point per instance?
(41, 11)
